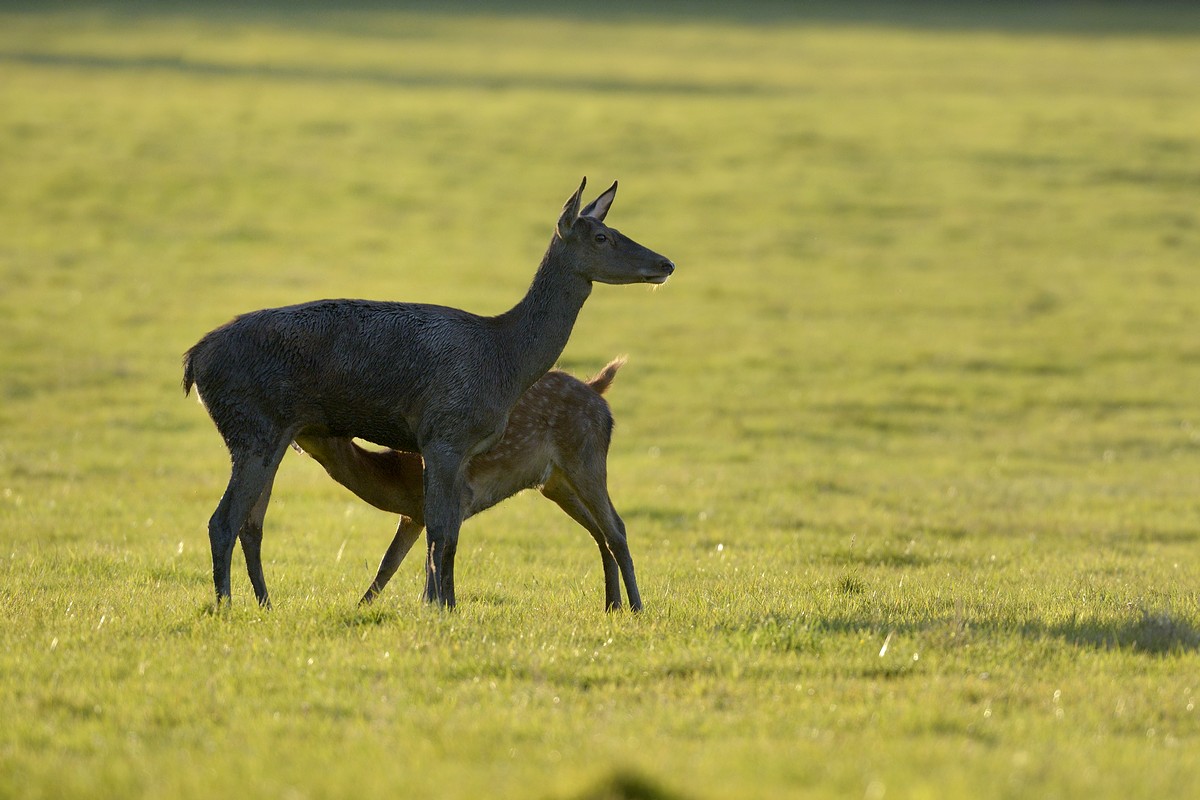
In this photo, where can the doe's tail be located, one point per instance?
(188, 378)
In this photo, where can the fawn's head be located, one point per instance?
(604, 254)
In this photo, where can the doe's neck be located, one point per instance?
(535, 331)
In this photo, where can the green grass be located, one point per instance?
(908, 449)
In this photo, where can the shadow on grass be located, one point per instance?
(379, 20)
(201, 68)
(891, 557)
(363, 616)
(1099, 18)
(1152, 633)
(626, 785)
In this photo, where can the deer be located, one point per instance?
(417, 377)
(556, 441)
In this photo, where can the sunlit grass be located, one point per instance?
(908, 448)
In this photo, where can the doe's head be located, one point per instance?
(604, 254)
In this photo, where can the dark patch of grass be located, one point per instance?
(851, 584)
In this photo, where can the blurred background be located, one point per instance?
(935, 306)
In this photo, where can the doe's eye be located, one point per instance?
(600, 237)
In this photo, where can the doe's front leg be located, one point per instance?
(445, 486)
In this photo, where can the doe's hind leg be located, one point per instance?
(249, 479)
(251, 536)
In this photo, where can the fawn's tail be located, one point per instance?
(604, 378)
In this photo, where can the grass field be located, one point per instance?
(908, 449)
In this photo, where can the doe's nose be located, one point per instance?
(667, 266)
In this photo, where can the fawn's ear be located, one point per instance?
(600, 206)
(570, 211)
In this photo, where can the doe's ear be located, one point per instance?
(570, 211)
(599, 207)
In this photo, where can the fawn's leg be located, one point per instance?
(589, 478)
(562, 493)
(406, 536)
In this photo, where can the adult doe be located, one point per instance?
(409, 376)
(557, 441)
